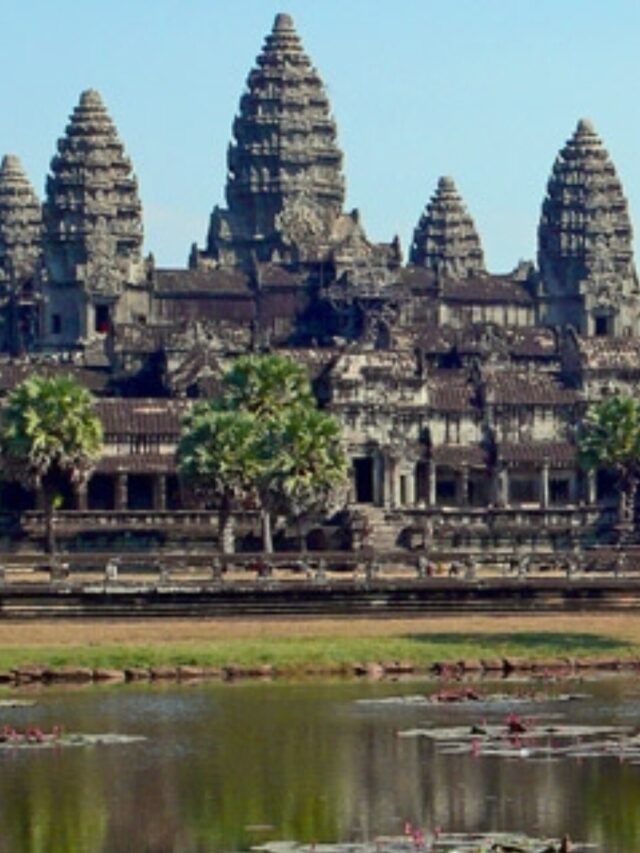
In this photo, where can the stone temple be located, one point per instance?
(459, 390)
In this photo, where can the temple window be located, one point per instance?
(56, 324)
(102, 319)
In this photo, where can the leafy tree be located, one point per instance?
(263, 437)
(50, 436)
(609, 438)
(217, 456)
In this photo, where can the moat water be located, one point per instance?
(228, 766)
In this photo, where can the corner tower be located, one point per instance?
(20, 256)
(445, 239)
(585, 242)
(285, 187)
(93, 229)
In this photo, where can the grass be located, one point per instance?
(294, 645)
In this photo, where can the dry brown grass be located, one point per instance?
(621, 627)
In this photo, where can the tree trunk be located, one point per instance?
(226, 528)
(267, 540)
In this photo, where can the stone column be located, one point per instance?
(463, 486)
(432, 492)
(122, 491)
(160, 493)
(378, 479)
(592, 488)
(544, 486)
(502, 486)
(412, 486)
(573, 488)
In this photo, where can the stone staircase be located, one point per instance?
(384, 528)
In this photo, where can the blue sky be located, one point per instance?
(484, 90)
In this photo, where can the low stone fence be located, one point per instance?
(364, 566)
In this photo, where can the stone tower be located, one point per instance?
(585, 242)
(445, 239)
(285, 186)
(20, 256)
(93, 230)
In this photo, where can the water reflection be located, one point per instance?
(222, 763)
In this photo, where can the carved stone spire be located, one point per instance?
(585, 235)
(446, 239)
(20, 225)
(285, 167)
(92, 210)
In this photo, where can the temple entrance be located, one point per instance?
(101, 493)
(363, 469)
(141, 491)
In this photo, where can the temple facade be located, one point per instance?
(459, 390)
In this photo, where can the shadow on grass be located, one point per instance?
(529, 641)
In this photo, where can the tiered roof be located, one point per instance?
(285, 180)
(585, 222)
(93, 215)
(20, 224)
(446, 239)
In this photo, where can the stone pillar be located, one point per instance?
(160, 493)
(378, 479)
(592, 488)
(502, 486)
(544, 486)
(432, 492)
(412, 487)
(463, 486)
(573, 488)
(122, 491)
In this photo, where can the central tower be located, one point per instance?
(285, 187)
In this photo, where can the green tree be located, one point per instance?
(50, 437)
(264, 437)
(217, 457)
(609, 438)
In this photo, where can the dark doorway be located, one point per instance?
(103, 319)
(140, 491)
(101, 494)
(363, 468)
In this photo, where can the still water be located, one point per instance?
(226, 766)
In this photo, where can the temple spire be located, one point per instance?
(585, 239)
(93, 222)
(20, 224)
(445, 238)
(284, 162)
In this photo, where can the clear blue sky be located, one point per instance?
(484, 90)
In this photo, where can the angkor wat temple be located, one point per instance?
(459, 390)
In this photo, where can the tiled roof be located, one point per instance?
(180, 283)
(554, 452)
(486, 289)
(141, 416)
(513, 387)
(456, 455)
(450, 391)
(12, 373)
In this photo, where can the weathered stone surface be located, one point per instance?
(445, 239)
(20, 225)
(585, 240)
(285, 185)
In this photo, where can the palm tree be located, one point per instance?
(263, 437)
(217, 456)
(50, 436)
(609, 438)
